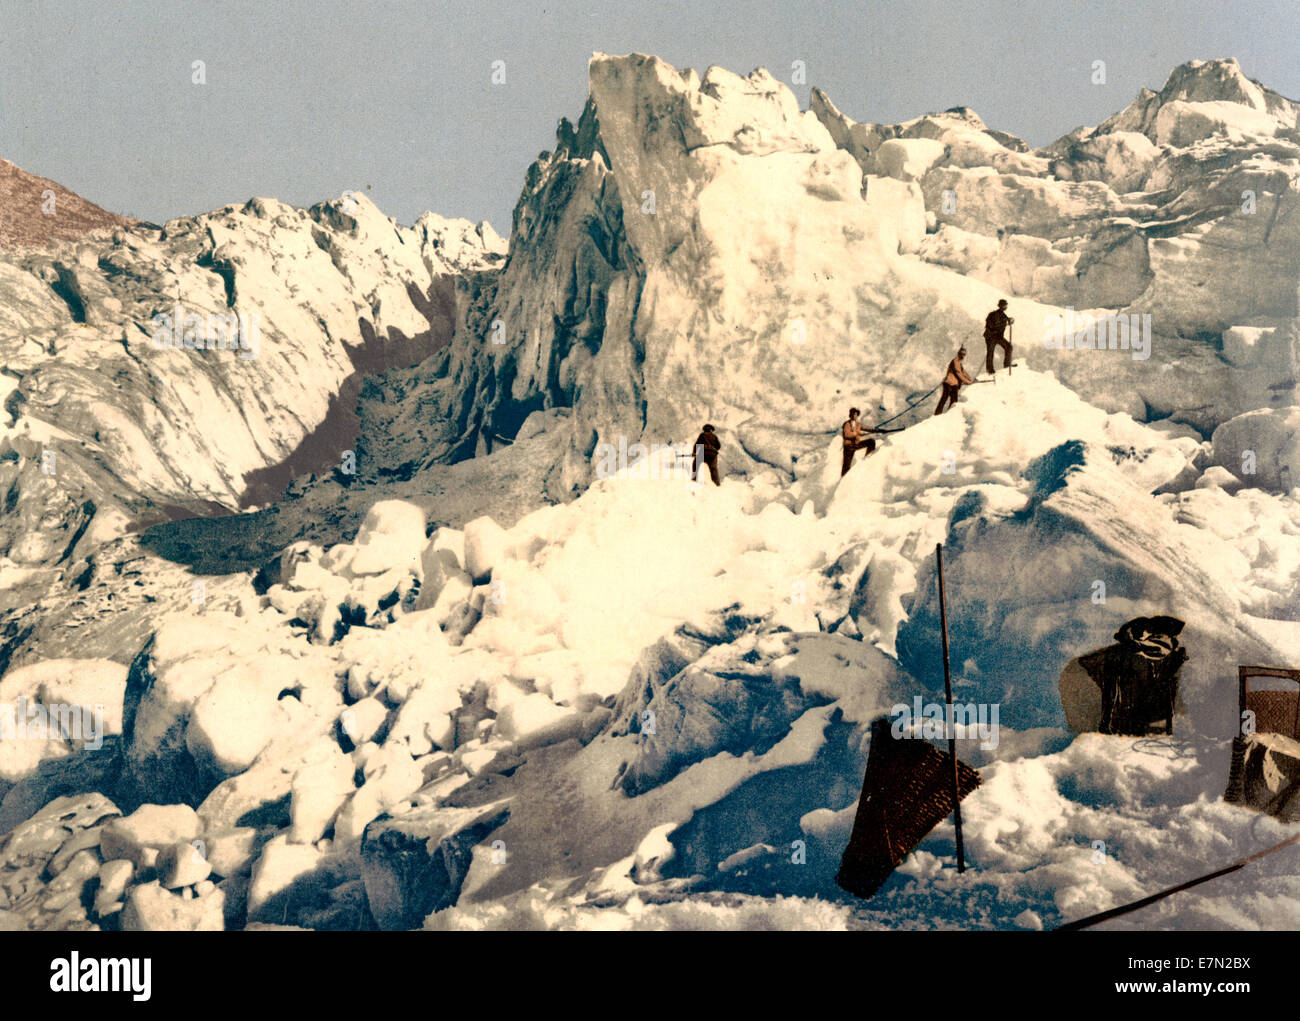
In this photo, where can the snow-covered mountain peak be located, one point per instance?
(169, 422)
(1214, 81)
(754, 114)
(1205, 98)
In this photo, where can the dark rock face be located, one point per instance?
(165, 766)
(55, 778)
(416, 863)
(700, 713)
(764, 813)
(323, 448)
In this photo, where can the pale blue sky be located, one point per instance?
(306, 100)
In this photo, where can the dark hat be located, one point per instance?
(1161, 625)
(708, 428)
(1002, 302)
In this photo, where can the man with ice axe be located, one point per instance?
(995, 325)
(952, 382)
(707, 446)
(852, 433)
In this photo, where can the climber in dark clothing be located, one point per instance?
(995, 324)
(851, 432)
(952, 382)
(707, 446)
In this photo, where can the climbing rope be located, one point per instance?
(914, 404)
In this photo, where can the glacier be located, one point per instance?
(370, 627)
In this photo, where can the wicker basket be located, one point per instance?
(906, 792)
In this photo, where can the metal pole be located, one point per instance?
(952, 730)
(1295, 727)
(1237, 865)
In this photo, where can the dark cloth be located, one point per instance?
(869, 445)
(1137, 693)
(711, 462)
(707, 446)
(990, 346)
(949, 395)
(995, 326)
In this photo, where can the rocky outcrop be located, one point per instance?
(1261, 448)
(719, 703)
(47, 862)
(152, 908)
(414, 864)
(207, 700)
(39, 211)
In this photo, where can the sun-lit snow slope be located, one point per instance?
(104, 428)
(1045, 494)
(729, 614)
(669, 684)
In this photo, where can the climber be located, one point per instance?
(707, 446)
(851, 432)
(953, 381)
(995, 324)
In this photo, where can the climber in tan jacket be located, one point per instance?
(853, 434)
(953, 382)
